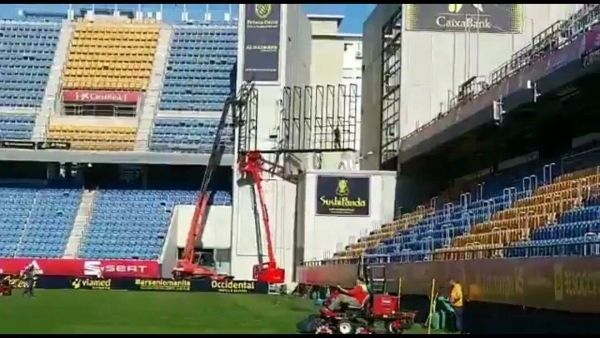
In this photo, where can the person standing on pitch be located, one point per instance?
(29, 276)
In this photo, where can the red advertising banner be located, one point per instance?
(82, 267)
(96, 96)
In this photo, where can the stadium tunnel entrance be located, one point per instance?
(563, 122)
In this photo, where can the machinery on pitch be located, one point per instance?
(380, 306)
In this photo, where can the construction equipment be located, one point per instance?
(201, 265)
(251, 167)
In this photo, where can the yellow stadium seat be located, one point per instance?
(487, 239)
(111, 56)
(100, 138)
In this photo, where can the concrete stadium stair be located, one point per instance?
(53, 85)
(152, 98)
(84, 214)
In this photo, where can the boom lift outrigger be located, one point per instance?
(250, 165)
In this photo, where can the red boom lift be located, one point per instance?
(250, 165)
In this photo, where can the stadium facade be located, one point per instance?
(317, 90)
(413, 66)
(507, 181)
(121, 99)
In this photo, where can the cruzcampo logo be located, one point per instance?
(456, 8)
(342, 189)
(263, 10)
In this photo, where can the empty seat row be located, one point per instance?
(26, 56)
(43, 229)
(107, 138)
(189, 135)
(189, 46)
(111, 56)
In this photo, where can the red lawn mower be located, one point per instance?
(380, 306)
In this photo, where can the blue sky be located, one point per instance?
(355, 14)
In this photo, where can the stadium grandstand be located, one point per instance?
(499, 191)
(109, 81)
(112, 119)
(136, 146)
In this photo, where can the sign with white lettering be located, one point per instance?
(96, 96)
(469, 18)
(343, 196)
(262, 27)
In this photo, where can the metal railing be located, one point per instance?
(555, 37)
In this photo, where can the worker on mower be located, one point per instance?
(354, 297)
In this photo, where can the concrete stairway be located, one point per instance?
(154, 88)
(53, 85)
(26, 227)
(84, 214)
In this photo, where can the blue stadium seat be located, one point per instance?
(16, 126)
(187, 135)
(26, 56)
(200, 63)
(133, 224)
(36, 223)
(450, 230)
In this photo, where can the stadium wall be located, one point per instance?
(169, 255)
(294, 69)
(322, 231)
(217, 233)
(433, 65)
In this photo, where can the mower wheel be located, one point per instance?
(323, 329)
(394, 327)
(362, 330)
(345, 327)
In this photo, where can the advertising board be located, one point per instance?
(344, 196)
(91, 284)
(481, 18)
(52, 145)
(141, 284)
(235, 287)
(262, 34)
(81, 267)
(96, 96)
(162, 285)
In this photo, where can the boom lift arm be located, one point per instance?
(187, 265)
(201, 211)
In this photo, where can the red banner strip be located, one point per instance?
(82, 267)
(95, 96)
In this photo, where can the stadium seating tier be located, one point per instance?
(111, 56)
(131, 224)
(516, 219)
(189, 135)
(26, 57)
(198, 75)
(16, 126)
(110, 138)
(36, 223)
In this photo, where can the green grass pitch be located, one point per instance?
(96, 311)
